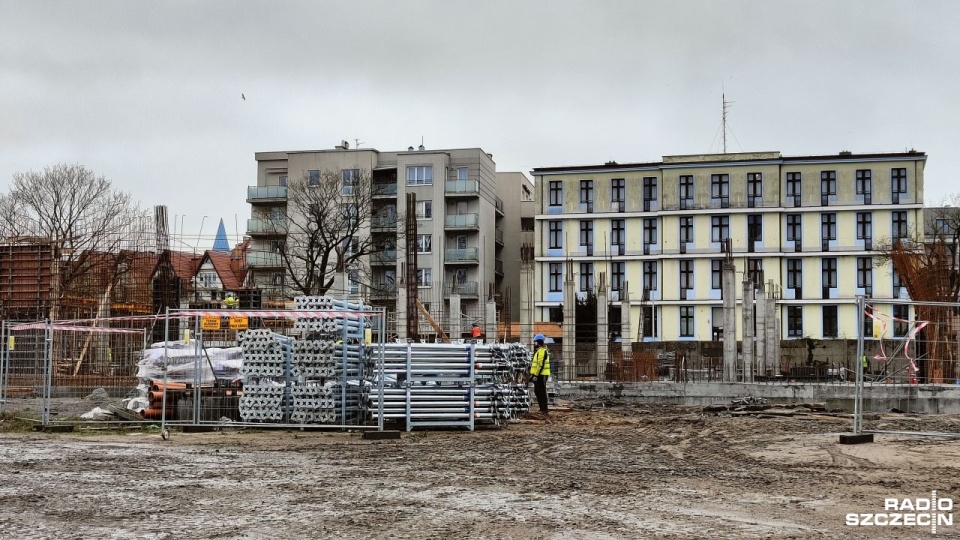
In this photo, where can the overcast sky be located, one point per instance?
(148, 93)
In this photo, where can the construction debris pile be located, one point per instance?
(314, 378)
(447, 385)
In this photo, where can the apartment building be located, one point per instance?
(466, 237)
(811, 225)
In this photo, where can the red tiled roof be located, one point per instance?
(231, 280)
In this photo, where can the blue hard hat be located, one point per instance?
(539, 337)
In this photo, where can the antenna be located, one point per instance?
(357, 143)
(726, 106)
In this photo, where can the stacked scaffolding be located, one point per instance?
(444, 385)
(315, 377)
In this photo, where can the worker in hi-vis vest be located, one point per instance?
(540, 372)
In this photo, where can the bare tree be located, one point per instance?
(79, 214)
(328, 228)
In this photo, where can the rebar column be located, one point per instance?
(761, 310)
(626, 335)
(490, 330)
(569, 319)
(729, 320)
(603, 333)
(526, 293)
(455, 329)
(773, 331)
(748, 330)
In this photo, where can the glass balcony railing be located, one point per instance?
(383, 222)
(266, 226)
(264, 260)
(384, 256)
(498, 233)
(498, 203)
(265, 193)
(465, 254)
(463, 288)
(384, 190)
(463, 221)
(498, 266)
(462, 186)
(383, 291)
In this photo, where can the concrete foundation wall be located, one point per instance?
(927, 399)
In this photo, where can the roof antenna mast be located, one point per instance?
(726, 106)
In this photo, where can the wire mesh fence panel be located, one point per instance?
(72, 370)
(911, 342)
(311, 366)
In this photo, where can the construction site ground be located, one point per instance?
(600, 470)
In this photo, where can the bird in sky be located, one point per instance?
(243, 97)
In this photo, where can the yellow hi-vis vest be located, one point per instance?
(541, 362)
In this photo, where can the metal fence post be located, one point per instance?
(858, 393)
(48, 375)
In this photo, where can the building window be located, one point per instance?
(649, 321)
(828, 275)
(278, 279)
(686, 229)
(897, 284)
(720, 187)
(618, 191)
(686, 274)
(420, 176)
(828, 183)
(424, 243)
(794, 227)
(462, 174)
(716, 274)
(755, 228)
(424, 209)
(898, 220)
(794, 180)
(556, 193)
(686, 192)
(351, 246)
(586, 233)
(901, 320)
(864, 182)
(424, 277)
(350, 178)
(586, 277)
(830, 326)
(313, 178)
(828, 226)
(350, 212)
(283, 181)
(556, 277)
(794, 273)
(719, 228)
(754, 188)
(650, 275)
(898, 181)
(618, 232)
(686, 321)
(586, 192)
(354, 281)
(864, 225)
(650, 231)
(556, 234)
(755, 270)
(618, 274)
(650, 188)
(864, 272)
(794, 321)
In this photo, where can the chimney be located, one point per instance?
(421, 148)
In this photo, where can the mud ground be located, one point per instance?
(601, 471)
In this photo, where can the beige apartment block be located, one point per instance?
(808, 227)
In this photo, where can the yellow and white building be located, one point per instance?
(811, 225)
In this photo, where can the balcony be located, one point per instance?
(383, 222)
(384, 257)
(498, 235)
(498, 204)
(266, 226)
(266, 194)
(463, 221)
(383, 190)
(471, 255)
(463, 288)
(498, 267)
(383, 291)
(462, 187)
(260, 259)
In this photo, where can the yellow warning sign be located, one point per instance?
(210, 322)
(238, 322)
(11, 343)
